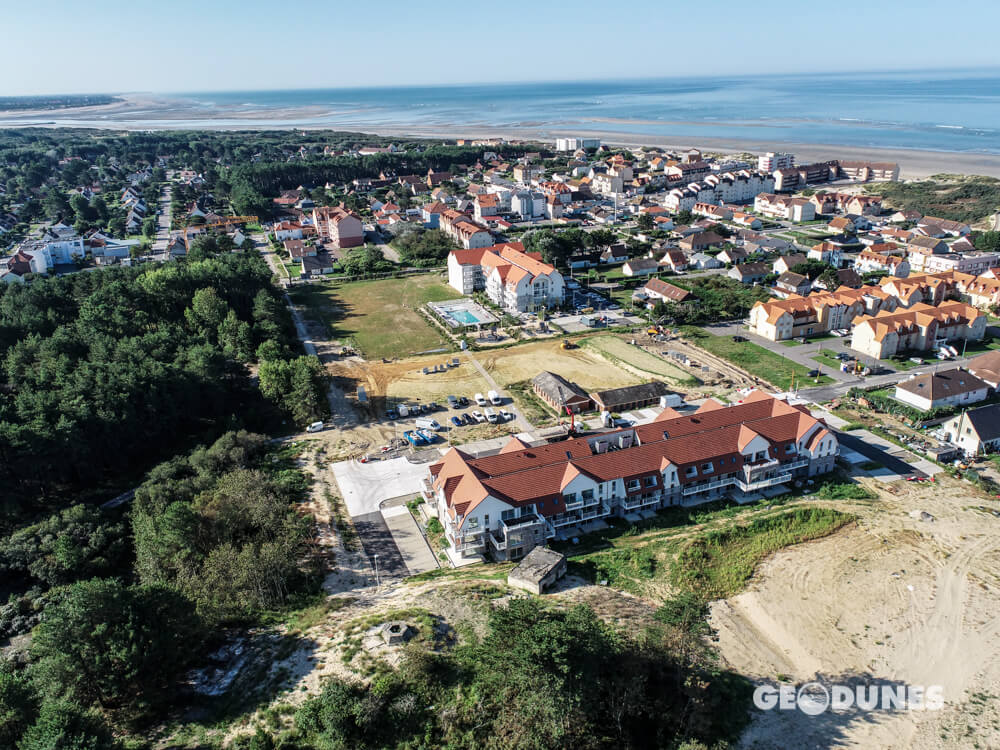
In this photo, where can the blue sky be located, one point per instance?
(58, 46)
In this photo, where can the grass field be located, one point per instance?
(634, 359)
(713, 563)
(756, 360)
(380, 318)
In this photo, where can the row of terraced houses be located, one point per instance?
(503, 505)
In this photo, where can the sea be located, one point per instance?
(955, 111)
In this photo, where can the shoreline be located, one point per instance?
(146, 112)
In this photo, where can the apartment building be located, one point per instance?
(514, 280)
(815, 314)
(869, 171)
(574, 144)
(921, 327)
(466, 232)
(783, 207)
(923, 260)
(341, 227)
(869, 261)
(775, 160)
(504, 505)
(794, 178)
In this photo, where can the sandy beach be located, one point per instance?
(152, 112)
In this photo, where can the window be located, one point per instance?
(633, 484)
(706, 468)
(508, 514)
(587, 494)
(569, 497)
(651, 481)
(691, 471)
(486, 521)
(790, 448)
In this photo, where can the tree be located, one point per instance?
(115, 647)
(987, 241)
(206, 313)
(18, 704)
(79, 542)
(64, 726)
(811, 268)
(645, 222)
(601, 238)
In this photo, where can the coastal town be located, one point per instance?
(499, 369)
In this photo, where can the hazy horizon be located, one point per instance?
(228, 46)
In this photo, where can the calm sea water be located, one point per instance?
(946, 111)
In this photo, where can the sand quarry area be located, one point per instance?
(890, 598)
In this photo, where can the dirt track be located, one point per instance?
(892, 598)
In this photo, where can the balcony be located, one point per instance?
(695, 489)
(762, 483)
(575, 505)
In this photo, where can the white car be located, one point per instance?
(478, 416)
(480, 400)
(505, 416)
(315, 427)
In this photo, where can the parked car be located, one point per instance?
(814, 373)
(423, 408)
(463, 401)
(428, 424)
(391, 414)
(456, 421)
(452, 402)
(478, 416)
(491, 416)
(505, 416)
(432, 406)
(480, 399)
(315, 427)
(739, 339)
(467, 419)
(494, 398)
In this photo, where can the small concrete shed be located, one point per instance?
(539, 569)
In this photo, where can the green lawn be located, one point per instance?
(380, 318)
(826, 357)
(756, 360)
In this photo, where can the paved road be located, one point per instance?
(163, 221)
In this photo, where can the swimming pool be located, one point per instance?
(463, 312)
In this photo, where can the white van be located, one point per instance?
(423, 423)
(480, 401)
(315, 427)
(403, 410)
(494, 398)
(491, 416)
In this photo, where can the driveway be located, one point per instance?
(883, 452)
(377, 540)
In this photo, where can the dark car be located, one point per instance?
(467, 419)
(456, 421)
(463, 401)
(739, 339)
(424, 408)
(432, 406)
(391, 414)
(814, 373)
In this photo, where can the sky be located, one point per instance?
(122, 46)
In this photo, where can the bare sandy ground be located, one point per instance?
(892, 599)
(152, 112)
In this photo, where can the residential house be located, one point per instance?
(702, 261)
(793, 283)
(975, 431)
(656, 290)
(616, 253)
(788, 262)
(750, 273)
(640, 267)
(701, 241)
(317, 264)
(986, 367)
(675, 260)
(783, 207)
(826, 252)
(461, 228)
(868, 261)
(954, 387)
(818, 313)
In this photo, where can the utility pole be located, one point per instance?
(377, 583)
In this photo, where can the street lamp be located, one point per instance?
(377, 583)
